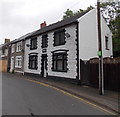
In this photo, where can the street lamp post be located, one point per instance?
(101, 81)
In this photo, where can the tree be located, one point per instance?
(111, 12)
(68, 13)
(116, 35)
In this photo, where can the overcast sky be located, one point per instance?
(18, 17)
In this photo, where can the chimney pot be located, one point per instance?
(43, 24)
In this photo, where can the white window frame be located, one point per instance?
(6, 52)
(18, 58)
(19, 46)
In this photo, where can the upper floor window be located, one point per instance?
(13, 48)
(33, 43)
(3, 51)
(6, 52)
(33, 58)
(60, 62)
(19, 46)
(106, 43)
(18, 62)
(59, 37)
(44, 41)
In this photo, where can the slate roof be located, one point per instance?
(22, 37)
(56, 25)
(48, 28)
(16, 40)
(4, 45)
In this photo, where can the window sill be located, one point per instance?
(18, 50)
(3, 55)
(18, 67)
(107, 49)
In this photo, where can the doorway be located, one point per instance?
(44, 65)
(12, 64)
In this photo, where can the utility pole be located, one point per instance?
(101, 80)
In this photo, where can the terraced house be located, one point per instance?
(17, 54)
(56, 50)
(5, 56)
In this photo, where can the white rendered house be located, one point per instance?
(56, 50)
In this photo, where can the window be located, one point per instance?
(33, 61)
(18, 62)
(59, 38)
(3, 51)
(44, 41)
(13, 48)
(60, 62)
(19, 46)
(33, 43)
(106, 43)
(6, 52)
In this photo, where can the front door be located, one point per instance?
(12, 64)
(44, 65)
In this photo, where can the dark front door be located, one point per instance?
(44, 65)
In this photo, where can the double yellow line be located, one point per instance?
(74, 96)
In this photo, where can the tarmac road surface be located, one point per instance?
(22, 97)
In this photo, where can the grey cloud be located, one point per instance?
(18, 17)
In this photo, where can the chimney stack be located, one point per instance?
(7, 41)
(43, 24)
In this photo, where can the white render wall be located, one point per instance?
(26, 56)
(88, 36)
(69, 45)
(106, 32)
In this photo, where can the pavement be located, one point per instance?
(110, 100)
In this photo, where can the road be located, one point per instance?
(22, 97)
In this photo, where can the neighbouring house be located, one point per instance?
(4, 56)
(57, 49)
(17, 47)
(17, 54)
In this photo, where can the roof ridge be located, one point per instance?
(58, 24)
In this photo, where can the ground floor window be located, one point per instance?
(18, 62)
(33, 62)
(60, 62)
